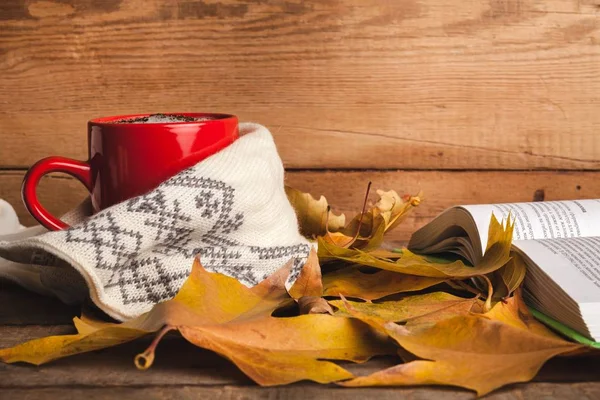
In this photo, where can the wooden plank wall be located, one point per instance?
(472, 101)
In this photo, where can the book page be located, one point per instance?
(541, 220)
(574, 264)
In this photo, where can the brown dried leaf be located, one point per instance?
(314, 305)
(309, 281)
(312, 214)
(308, 288)
(509, 277)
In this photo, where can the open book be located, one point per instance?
(559, 241)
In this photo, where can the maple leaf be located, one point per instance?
(205, 298)
(219, 313)
(275, 351)
(480, 352)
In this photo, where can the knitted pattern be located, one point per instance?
(230, 210)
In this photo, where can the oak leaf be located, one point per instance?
(314, 216)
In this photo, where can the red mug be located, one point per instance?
(129, 157)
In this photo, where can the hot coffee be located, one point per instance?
(163, 119)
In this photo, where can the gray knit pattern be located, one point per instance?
(229, 210)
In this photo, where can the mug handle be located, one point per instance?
(77, 169)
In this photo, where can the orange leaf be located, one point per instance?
(205, 298)
(276, 351)
(478, 352)
(309, 281)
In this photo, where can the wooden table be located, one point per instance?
(183, 371)
(471, 102)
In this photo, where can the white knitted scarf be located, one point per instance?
(231, 210)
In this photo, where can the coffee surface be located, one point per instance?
(162, 118)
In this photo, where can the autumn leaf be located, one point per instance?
(395, 209)
(496, 256)
(470, 340)
(40, 351)
(309, 281)
(276, 351)
(367, 229)
(514, 312)
(480, 352)
(220, 314)
(352, 282)
(308, 288)
(508, 278)
(205, 298)
(314, 216)
(411, 307)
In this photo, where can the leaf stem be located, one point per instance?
(144, 360)
(362, 215)
(488, 300)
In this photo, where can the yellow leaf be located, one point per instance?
(277, 351)
(40, 351)
(308, 288)
(508, 278)
(394, 208)
(496, 256)
(351, 282)
(472, 351)
(204, 298)
(312, 214)
(429, 305)
(515, 313)
(338, 239)
(218, 313)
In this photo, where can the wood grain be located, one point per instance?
(549, 391)
(180, 364)
(181, 370)
(343, 84)
(345, 190)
